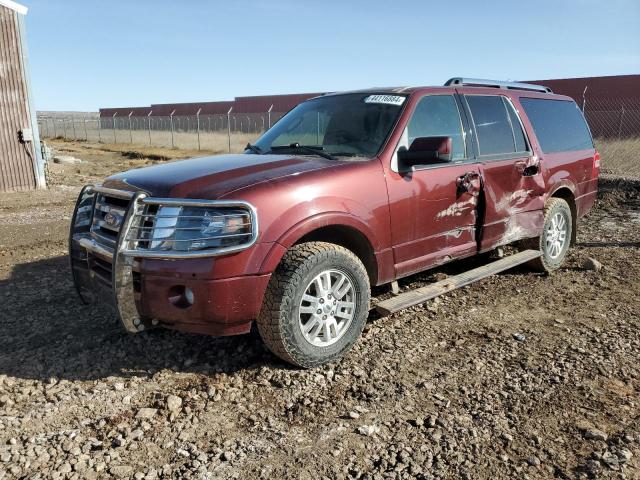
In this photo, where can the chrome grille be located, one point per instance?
(109, 213)
(165, 227)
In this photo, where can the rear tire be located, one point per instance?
(316, 304)
(556, 236)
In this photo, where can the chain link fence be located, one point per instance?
(219, 133)
(614, 123)
(615, 126)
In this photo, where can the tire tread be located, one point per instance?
(541, 264)
(281, 291)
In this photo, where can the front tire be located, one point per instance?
(556, 236)
(316, 304)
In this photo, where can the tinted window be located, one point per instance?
(559, 125)
(518, 134)
(438, 116)
(493, 126)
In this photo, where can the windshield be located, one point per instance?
(354, 124)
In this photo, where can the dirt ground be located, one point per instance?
(518, 376)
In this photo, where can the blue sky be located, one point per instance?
(90, 54)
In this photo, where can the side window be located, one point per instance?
(493, 125)
(558, 124)
(518, 134)
(438, 116)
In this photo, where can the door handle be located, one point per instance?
(468, 183)
(528, 168)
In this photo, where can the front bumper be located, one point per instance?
(140, 289)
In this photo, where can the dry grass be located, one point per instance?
(100, 160)
(128, 150)
(620, 157)
(214, 142)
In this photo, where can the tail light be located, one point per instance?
(596, 162)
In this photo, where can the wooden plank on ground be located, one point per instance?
(422, 294)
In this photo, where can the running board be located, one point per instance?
(422, 294)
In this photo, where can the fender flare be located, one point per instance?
(308, 225)
(561, 183)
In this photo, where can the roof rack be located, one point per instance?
(479, 82)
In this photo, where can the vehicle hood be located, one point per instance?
(212, 177)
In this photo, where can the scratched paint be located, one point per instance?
(513, 200)
(458, 208)
(513, 232)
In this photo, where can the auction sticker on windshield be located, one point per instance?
(387, 99)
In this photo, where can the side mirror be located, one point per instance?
(425, 151)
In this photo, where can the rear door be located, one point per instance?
(433, 207)
(513, 185)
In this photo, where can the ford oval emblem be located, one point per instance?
(112, 219)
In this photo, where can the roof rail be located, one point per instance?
(479, 82)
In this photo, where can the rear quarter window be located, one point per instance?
(558, 124)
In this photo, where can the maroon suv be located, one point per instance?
(346, 191)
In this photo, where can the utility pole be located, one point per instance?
(229, 127)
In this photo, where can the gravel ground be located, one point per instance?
(518, 376)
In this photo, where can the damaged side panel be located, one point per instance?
(512, 201)
(434, 217)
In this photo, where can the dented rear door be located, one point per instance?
(511, 201)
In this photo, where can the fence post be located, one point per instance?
(229, 127)
(149, 125)
(584, 98)
(73, 126)
(621, 120)
(114, 127)
(99, 129)
(269, 112)
(84, 121)
(130, 134)
(198, 125)
(64, 128)
(171, 120)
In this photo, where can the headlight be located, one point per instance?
(197, 226)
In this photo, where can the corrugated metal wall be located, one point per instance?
(256, 104)
(609, 87)
(16, 161)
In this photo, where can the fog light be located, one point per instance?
(188, 295)
(181, 296)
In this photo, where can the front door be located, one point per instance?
(512, 182)
(434, 207)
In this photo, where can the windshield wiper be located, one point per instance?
(253, 148)
(304, 148)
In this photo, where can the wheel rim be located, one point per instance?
(327, 308)
(556, 235)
